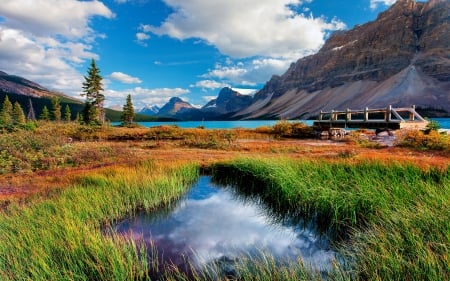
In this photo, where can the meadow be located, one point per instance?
(64, 185)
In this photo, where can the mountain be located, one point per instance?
(173, 107)
(149, 110)
(228, 101)
(17, 85)
(226, 104)
(23, 91)
(400, 59)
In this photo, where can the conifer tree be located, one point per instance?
(67, 113)
(128, 112)
(6, 112)
(92, 89)
(18, 116)
(56, 109)
(45, 115)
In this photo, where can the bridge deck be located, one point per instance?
(389, 118)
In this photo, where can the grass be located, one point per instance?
(60, 237)
(392, 220)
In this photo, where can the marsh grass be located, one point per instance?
(392, 221)
(60, 238)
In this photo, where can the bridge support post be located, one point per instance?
(388, 114)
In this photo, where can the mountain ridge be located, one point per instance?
(410, 37)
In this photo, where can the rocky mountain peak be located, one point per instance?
(351, 67)
(174, 105)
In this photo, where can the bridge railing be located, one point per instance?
(389, 114)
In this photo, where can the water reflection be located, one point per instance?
(216, 224)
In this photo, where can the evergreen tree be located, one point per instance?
(6, 113)
(18, 116)
(56, 109)
(45, 115)
(78, 118)
(128, 112)
(92, 89)
(67, 113)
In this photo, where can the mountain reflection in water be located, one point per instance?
(212, 223)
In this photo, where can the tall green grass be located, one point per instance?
(393, 221)
(60, 238)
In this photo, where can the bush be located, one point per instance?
(432, 140)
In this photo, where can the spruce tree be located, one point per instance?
(128, 112)
(67, 113)
(92, 89)
(18, 116)
(56, 109)
(6, 112)
(45, 115)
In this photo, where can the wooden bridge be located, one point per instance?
(385, 118)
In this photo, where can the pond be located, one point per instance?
(214, 223)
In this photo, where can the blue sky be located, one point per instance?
(157, 49)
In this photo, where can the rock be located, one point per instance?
(402, 58)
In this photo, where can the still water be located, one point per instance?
(213, 223)
(247, 124)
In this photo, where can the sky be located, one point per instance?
(158, 49)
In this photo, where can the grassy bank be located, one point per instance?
(392, 220)
(59, 237)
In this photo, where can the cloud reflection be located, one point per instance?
(212, 223)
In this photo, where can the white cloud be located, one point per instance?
(69, 18)
(374, 3)
(247, 28)
(210, 84)
(243, 91)
(248, 72)
(124, 78)
(45, 40)
(208, 98)
(142, 97)
(140, 36)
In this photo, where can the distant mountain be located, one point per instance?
(400, 59)
(226, 104)
(149, 110)
(173, 107)
(228, 101)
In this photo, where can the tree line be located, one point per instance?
(13, 116)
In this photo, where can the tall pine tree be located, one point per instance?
(92, 89)
(56, 109)
(45, 115)
(128, 112)
(67, 113)
(6, 112)
(18, 116)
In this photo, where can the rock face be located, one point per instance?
(402, 58)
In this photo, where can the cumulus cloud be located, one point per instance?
(210, 84)
(44, 40)
(142, 97)
(247, 28)
(69, 18)
(250, 72)
(374, 3)
(125, 78)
